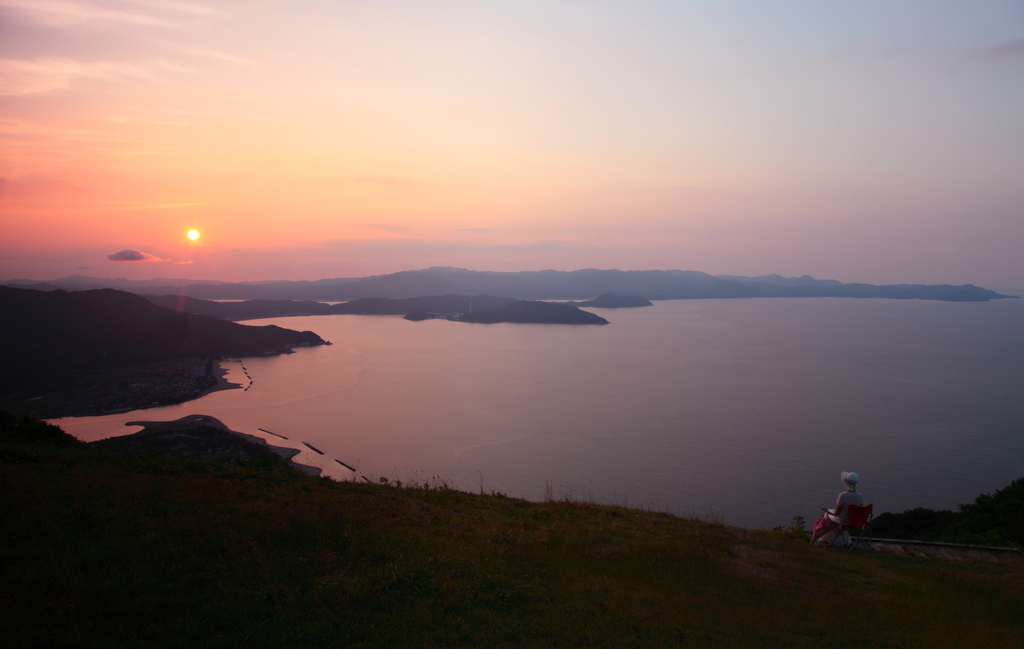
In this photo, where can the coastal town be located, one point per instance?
(168, 383)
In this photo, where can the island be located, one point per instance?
(532, 312)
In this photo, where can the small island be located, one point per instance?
(531, 312)
(520, 312)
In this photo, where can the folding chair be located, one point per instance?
(859, 524)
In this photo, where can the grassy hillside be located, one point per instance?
(104, 550)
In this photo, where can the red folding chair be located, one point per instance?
(856, 527)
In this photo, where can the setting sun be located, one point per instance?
(193, 234)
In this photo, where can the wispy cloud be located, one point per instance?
(394, 229)
(35, 187)
(16, 129)
(220, 56)
(171, 66)
(132, 255)
(173, 5)
(20, 77)
(64, 13)
(1007, 50)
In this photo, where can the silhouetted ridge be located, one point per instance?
(53, 335)
(252, 309)
(553, 285)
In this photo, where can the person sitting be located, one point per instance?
(841, 513)
(828, 525)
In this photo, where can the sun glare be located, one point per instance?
(193, 234)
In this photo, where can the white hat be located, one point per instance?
(850, 479)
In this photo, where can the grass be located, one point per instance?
(108, 550)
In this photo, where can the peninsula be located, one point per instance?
(98, 350)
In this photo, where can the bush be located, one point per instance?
(999, 516)
(32, 431)
(994, 519)
(920, 524)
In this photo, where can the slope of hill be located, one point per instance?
(104, 549)
(53, 337)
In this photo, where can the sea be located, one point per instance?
(743, 411)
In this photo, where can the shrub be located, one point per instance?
(32, 431)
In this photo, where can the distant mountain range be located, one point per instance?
(528, 285)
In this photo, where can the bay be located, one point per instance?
(739, 410)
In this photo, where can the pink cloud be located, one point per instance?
(133, 256)
(19, 77)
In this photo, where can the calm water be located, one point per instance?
(747, 409)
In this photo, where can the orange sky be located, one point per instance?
(346, 139)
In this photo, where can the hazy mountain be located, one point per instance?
(572, 285)
(613, 301)
(803, 280)
(252, 309)
(53, 338)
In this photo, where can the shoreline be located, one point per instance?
(218, 374)
(156, 433)
(152, 384)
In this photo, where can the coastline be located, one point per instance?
(220, 374)
(168, 384)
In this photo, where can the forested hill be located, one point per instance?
(52, 336)
(479, 308)
(253, 309)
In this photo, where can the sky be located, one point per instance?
(875, 142)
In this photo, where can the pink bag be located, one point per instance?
(822, 526)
